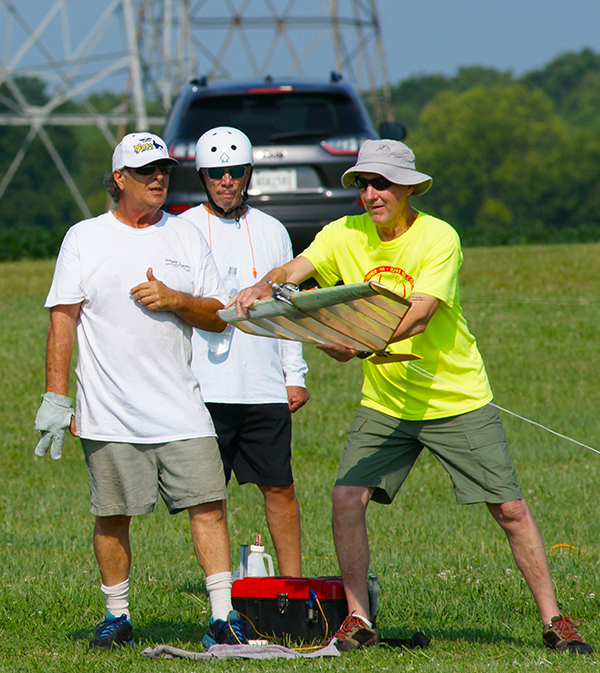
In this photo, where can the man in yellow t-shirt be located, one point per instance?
(444, 405)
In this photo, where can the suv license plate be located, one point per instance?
(273, 181)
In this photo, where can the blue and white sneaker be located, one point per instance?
(113, 632)
(230, 632)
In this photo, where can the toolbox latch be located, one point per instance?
(282, 603)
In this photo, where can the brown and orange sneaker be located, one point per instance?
(354, 633)
(561, 634)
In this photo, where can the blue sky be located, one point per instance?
(421, 36)
(427, 36)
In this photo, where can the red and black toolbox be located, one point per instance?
(293, 608)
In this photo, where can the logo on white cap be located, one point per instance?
(138, 149)
(147, 144)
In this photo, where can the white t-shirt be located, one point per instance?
(134, 379)
(257, 369)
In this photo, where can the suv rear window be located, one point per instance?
(275, 117)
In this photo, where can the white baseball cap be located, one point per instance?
(140, 149)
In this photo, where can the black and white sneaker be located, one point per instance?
(230, 632)
(113, 632)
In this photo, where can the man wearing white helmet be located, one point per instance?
(132, 283)
(252, 389)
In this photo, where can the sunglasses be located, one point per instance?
(149, 169)
(377, 183)
(235, 172)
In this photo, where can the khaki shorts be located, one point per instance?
(125, 479)
(381, 450)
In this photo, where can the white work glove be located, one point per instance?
(53, 420)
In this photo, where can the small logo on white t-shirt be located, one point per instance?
(177, 265)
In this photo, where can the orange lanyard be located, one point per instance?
(249, 240)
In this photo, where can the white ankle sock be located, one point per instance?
(117, 599)
(219, 592)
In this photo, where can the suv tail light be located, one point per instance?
(345, 145)
(183, 151)
(270, 89)
(175, 209)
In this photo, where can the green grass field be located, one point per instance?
(442, 569)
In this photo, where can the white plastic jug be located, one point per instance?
(256, 561)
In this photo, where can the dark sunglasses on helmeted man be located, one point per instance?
(379, 183)
(235, 172)
(149, 169)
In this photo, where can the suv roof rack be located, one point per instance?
(200, 81)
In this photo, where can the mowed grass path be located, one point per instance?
(443, 569)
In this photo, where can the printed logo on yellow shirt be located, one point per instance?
(394, 278)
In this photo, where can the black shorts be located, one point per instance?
(255, 441)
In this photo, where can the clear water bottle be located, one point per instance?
(219, 342)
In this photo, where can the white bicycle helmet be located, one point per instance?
(223, 146)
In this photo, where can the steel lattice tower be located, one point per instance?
(148, 48)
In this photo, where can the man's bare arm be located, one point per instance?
(295, 271)
(416, 319)
(59, 347)
(59, 350)
(198, 312)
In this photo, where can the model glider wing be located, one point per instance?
(363, 316)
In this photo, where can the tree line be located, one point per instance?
(514, 160)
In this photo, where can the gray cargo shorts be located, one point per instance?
(126, 479)
(381, 450)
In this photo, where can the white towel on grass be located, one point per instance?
(238, 652)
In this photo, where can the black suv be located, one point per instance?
(304, 134)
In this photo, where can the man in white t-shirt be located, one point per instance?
(133, 283)
(252, 388)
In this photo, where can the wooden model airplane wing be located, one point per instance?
(363, 316)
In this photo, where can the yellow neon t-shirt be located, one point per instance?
(425, 259)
